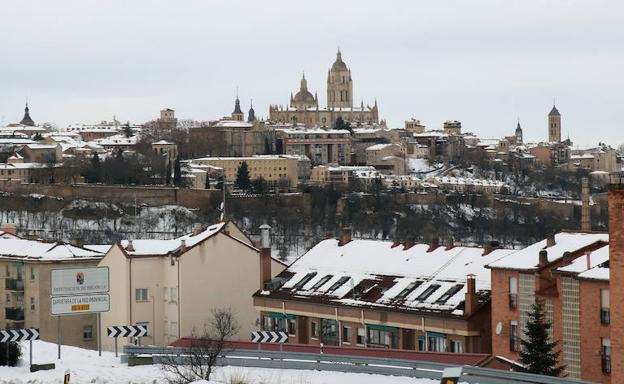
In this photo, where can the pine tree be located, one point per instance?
(538, 353)
(207, 185)
(95, 173)
(168, 173)
(177, 173)
(127, 130)
(242, 177)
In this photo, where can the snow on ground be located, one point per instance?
(86, 366)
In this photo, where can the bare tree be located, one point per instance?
(205, 348)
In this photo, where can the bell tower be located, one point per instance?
(339, 85)
(554, 126)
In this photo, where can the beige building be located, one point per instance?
(25, 268)
(323, 174)
(42, 153)
(304, 107)
(167, 149)
(167, 119)
(171, 286)
(386, 158)
(321, 146)
(275, 169)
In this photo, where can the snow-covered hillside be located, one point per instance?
(86, 366)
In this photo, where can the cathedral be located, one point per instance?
(304, 106)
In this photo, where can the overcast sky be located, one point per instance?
(485, 63)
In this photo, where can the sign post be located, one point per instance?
(126, 331)
(76, 291)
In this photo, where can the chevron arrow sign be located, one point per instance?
(127, 331)
(269, 337)
(19, 335)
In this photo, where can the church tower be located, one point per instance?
(518, 134)
(251, 116)
(238, 113)
(27, 120)
(554, 126)
(339, 85)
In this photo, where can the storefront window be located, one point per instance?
(329, 332)
(436, 342)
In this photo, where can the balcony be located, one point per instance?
(605, 316)
(11, 284)
(14, 314)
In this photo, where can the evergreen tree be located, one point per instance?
(260, 186)
(38, 137)
(538, 353)
(243, 180)
(207, 185)
(127, 130)
(94, 175)
(13, 354)
(177, 173)
(220, 183)
(168, 173)
(341, 124)
(268, 150)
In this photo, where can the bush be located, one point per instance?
(15, 352)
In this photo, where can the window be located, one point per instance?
(87, 332)
(292, 326)
(456, 346)
(140, 294)
(403, 294)
(606, 355)
(305, 279)
(338, 284)
(147, 326)
(422, 343)
(165, 293)
(329, 332)
(605, 314)
(32, 273)
(173, 329)
(513, 336)
(315, 329)
(173, 295)
(513, 292)
(32, 303)
(450, 293)
(321, 282)
(427, 292)
(346, 335)
(361, 336)
(436, 342)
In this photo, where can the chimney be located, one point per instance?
(543, 258)
(585, 213)
(434, 244)
(130, 247)
(395, 243)
(265, 254)
(616, 273)
(451, 244)
(197, 229)
(588, 257)
(471, 301)
(489, 247)
(8, 228)
(345, 237)
(408, 244)
(550, 240)
(182, 245)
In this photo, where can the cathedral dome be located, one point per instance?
(339, 65)
(304, 96)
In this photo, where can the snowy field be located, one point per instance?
(86, 366)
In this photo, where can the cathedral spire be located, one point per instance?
(251, 116)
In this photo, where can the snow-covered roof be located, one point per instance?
(233, 124)
(163, 142)
(150, 247)
(117, 140)
(528, 258)
(378, 147)
(377, 273)
(44, 251)
(591, 260)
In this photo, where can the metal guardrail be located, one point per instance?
(347, 364)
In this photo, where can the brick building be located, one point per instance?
(379, 294)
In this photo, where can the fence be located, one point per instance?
(341, 363)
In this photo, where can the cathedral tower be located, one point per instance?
(518, 134)
(554, 126)
(27, 120)
(339, 85)
(238, 113)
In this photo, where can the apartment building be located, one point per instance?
(171, 286)
(342, 174)
(279, 170)
(25, 267)
(568, 272)
(380, 294)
